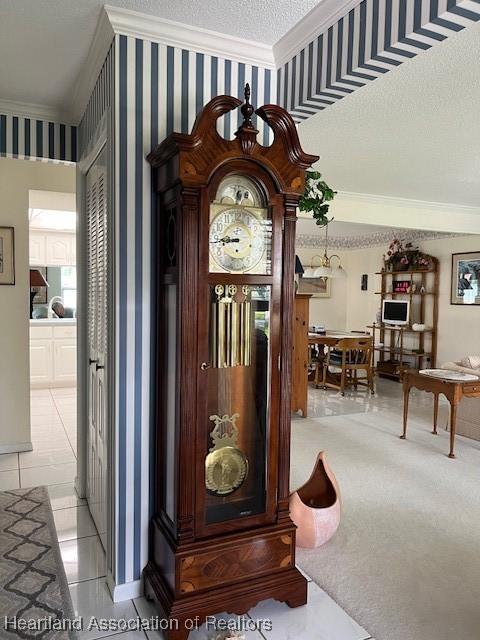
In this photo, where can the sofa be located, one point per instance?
(468, 413)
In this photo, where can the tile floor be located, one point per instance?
(53, 463)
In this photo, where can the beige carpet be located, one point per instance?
(405, 562)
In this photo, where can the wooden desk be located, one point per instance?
(330, 338)
(453, 390)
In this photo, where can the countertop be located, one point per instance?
(52, 322)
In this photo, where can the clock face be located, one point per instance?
(240, 228)
(238, 241)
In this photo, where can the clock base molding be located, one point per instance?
(287, 585)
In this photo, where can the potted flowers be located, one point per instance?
(406, 257)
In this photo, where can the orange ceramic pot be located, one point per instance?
(315, 506)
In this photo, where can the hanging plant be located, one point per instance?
(316, 196)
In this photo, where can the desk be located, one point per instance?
(330, 338)
(453, 390)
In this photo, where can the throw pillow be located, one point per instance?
(471, 362)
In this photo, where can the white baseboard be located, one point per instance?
(121, 592)
(16, 448)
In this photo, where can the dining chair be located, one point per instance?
(350, 356)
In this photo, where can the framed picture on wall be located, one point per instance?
(7, 255)
(317, 287)
(465, 286)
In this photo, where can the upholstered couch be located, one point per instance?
(468, 414)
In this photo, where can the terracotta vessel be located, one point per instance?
(315, 506)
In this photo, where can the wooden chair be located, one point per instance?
(351, 356)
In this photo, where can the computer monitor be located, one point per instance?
(396, 312)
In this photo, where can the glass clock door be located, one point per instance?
(239, 344)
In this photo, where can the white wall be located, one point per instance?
(458, 326)
(349, 308)
(331, 312)
(16, 178)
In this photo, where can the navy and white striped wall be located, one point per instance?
(373, 38)
(101, 99)
(31, 139)
(159, 89)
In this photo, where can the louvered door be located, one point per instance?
(96, 197)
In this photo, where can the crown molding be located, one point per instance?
(367, 240)
(317, 21)
(407, 203)
(184, 36)
(34, 111)
(102, 41)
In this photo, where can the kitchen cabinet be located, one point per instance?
(52, 249)
(41, 362)
(53, 354)
(38, 250)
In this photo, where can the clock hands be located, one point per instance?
(226, 240)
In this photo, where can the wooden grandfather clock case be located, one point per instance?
(221, 537)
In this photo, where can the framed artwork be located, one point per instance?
(7, 255)
(317, 287)
(40, 292)
(465, 286)
(364, 282)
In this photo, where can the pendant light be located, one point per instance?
(325, 270)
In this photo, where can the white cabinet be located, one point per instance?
(58, 250)
(38, 251)
(41, 362)
(52, 249)
(53, 355)
(64, 361)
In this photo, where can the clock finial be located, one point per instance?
(246, 131)
(247, 109)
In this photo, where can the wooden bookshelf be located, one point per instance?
(400, 347)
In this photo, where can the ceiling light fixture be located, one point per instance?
(325, 270)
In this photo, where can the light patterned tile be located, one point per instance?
(216, 624)
(46, 458)
(52, 474)
(74, 522)
(321, 618)
(92, 599)
(63, 496)
(8, 461)
(9, 480)
(46, 444)
(83, 559)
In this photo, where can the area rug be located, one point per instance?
(405, 561)
(34, 597)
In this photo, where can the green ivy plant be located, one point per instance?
(316, 196)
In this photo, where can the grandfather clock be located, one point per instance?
(222, 538)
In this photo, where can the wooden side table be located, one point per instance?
(453, 390)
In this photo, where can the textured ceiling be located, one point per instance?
(415, 133)
(43, 43)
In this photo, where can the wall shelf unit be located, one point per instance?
(401, 347)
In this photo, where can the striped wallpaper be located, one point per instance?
(159, 89)
(375, 37)
(101, 99)
(30, 139)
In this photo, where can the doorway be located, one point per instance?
(52, 339)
